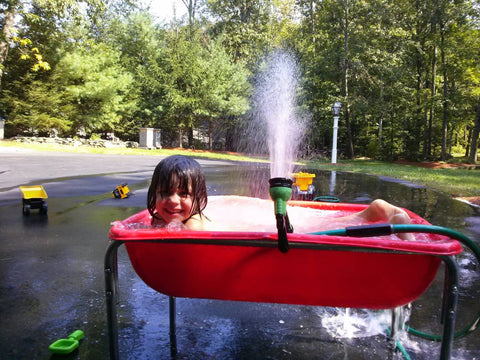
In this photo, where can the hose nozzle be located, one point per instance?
(281, 192)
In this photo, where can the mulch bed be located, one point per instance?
(472, 199)
(438, 165)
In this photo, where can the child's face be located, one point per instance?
(175, 206)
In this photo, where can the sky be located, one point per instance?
(163, 9)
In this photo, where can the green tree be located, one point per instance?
(9, 10)
(349, 55)
(92, 80)
(36, 107)
(223, 90)
(31, 30)
(180, 79)
(245, 25)
(143, 50)
(200, 82)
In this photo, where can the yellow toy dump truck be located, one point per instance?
(34, 197)
(121, 192)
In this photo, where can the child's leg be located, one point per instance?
(380, 210)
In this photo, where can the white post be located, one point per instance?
(334, 145)
(336, 114)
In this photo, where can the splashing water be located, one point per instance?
(353, 323)
(276, 114)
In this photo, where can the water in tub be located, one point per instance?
(241, 213)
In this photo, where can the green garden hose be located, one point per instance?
(464, 240)
(400, 347)
(388, 229)
(326, 198)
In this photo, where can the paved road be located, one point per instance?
(21, 167)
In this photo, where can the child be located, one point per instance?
(177, 194)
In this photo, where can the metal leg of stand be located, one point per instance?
(111, 292)
(396, 325)
(396, 319)
(449, 312)
(173, 326)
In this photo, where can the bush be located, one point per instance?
(95, 136)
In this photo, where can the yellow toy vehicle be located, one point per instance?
(34, 198)
(121, 192)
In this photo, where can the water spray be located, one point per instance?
(281, 192)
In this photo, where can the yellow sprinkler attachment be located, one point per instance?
(303, 188)
(303, 180)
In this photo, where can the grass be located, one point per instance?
(456, 182)
(453, 181)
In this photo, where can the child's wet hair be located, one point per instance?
(178, 172)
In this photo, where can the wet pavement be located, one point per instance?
(51, 267)
(52, 281)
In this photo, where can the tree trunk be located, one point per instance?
(180, 135)
(450, 143)
(312, 25)
(230, 144)
(7, 35)
(346, 75)
(191, 6)
(432, 105)
(425, 132)
(469, 138)
(210, 136)
(476, 131)
(191, 145)
(444, 100)
(418, 110)
(380, 121)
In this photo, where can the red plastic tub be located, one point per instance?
(373, 273)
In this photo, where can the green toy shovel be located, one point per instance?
(66, 346)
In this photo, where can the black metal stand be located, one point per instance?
(449, 308)
(173, 327)
(449, 311)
